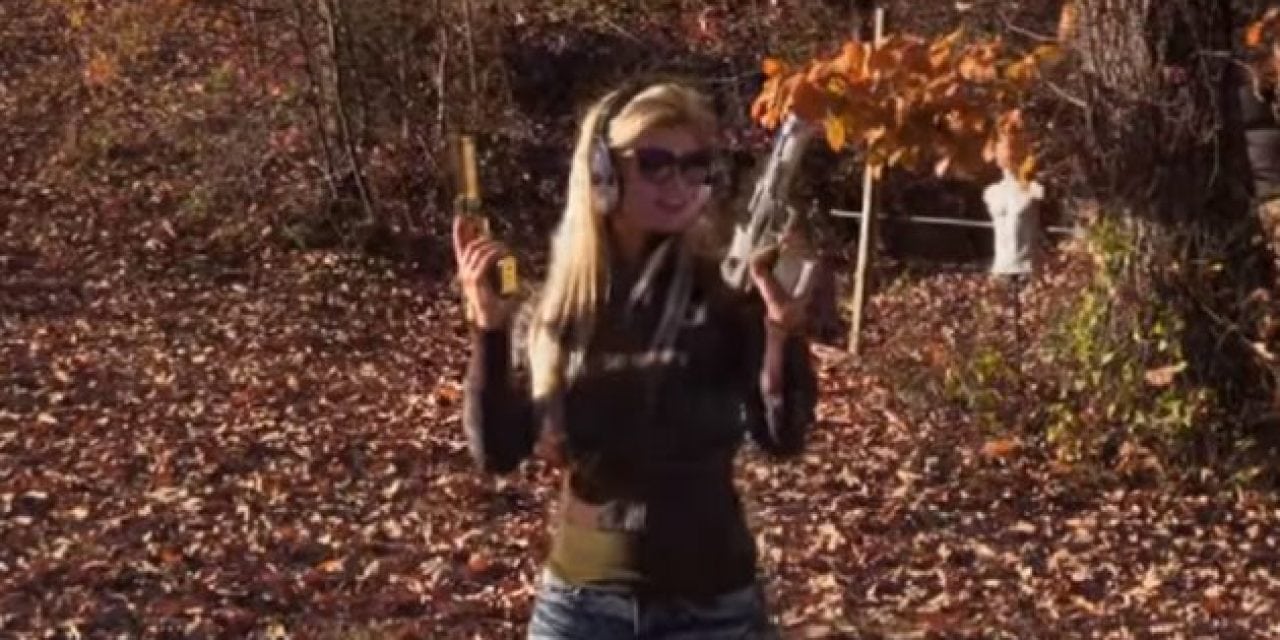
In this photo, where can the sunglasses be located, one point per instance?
(659, 166)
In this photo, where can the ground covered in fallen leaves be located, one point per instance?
(274, 450)
(203, 436)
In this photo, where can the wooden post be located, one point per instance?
(866, 229)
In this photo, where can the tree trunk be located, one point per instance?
(1165, 156)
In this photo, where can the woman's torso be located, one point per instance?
(650, 436)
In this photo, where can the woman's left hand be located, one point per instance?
(782, 309)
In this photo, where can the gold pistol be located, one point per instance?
(505, 278)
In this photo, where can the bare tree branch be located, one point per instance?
(1062, 93)
(1008, 24)
(313, 94)
(331, 13)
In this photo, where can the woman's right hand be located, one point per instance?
(476, 255)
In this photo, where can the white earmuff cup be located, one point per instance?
(603, 179)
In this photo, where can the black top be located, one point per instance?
(671, 457)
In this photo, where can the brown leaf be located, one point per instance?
(1001, 448)
(835, 132)
(772, 67)
(808, 101)
(1163, 376)
(1022, 526)
(334, 565)
(940, 50)
(1069, 21)
(170, 556)
(1027, 170)
(447, 393)
(478, 564)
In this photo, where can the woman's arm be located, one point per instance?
(498, 415)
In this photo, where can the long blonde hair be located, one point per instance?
(578, 274)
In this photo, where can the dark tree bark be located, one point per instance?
(1164, 154)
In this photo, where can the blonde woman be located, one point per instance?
(642, 377)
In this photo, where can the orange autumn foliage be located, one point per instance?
(908, 99)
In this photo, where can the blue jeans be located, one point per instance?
(567, 612)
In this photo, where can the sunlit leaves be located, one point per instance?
(1025, 71)
(113, 34)
(101, 70)
(942, 49)
(773, 67)
(978, 63)
(1068, 21)
(807, 100)
(908, 99)
(1163, 376)
(1027, 168)
(835, 131)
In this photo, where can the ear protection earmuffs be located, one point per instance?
(605, 183)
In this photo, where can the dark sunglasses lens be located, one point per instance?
(655, 164)
(697, 167)
(658, 165)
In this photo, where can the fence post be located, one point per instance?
(866, 229)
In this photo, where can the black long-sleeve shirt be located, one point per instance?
(658, 475)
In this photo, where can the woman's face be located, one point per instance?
(665, 180)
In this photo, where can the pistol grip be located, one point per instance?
(506, 277)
